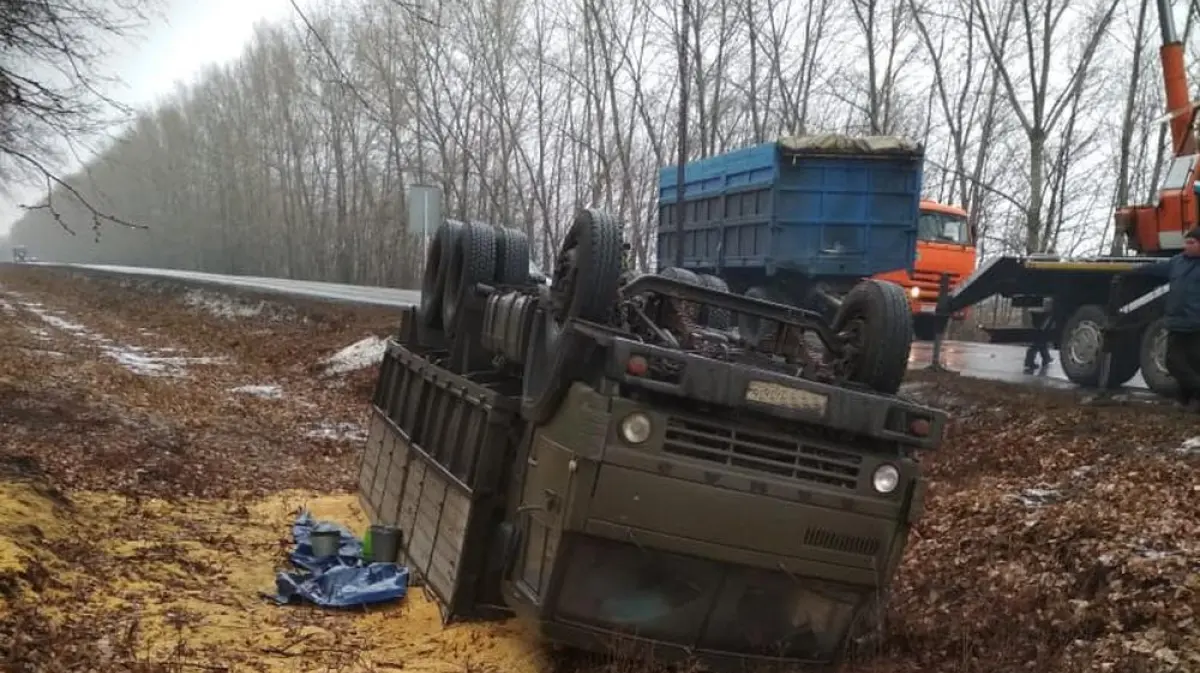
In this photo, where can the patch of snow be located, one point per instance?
(7, 307)
(222, 306)
(39, 333)
(346, 432)
(358, 355)
(267, 391)
(38, 351)
(55, 321)
(135, 359)
(1038, 497)
(1190, 446)
(138, 361)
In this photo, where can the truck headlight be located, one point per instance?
(635, 428)
(886, 478)
(915, 292)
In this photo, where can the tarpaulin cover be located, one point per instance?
(342, 580)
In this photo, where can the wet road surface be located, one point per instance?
(997, 362)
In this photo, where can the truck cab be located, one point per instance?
(945, 244)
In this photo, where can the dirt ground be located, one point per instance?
(155, 444)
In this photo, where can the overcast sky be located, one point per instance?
(194, 34)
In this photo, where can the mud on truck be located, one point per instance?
(606, 458)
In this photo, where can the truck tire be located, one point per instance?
(586, 273)
(512, 257)
(1152, 357)
(437, 264)
(1080, 349)
(876, 317)
(717, 318)
(472, 261)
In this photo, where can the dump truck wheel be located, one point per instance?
(1153, 360)
(437, 264)
(876, 322)
(1081, 350)
(512, 257)
(473, 261)
(717, 318)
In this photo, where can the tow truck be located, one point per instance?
(604, 457)
(1109, 323)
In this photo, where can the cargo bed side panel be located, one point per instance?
(432, 466)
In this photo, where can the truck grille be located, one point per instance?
(932, 279)
(800, 458)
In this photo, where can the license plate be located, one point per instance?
(765, 392)
(928, 309)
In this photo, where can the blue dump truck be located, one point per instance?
(798, 221)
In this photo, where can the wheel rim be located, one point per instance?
(1084, 343)
(562, 286)
(1158, 350)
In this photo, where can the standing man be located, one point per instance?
(1042, 320)
(1182, 315)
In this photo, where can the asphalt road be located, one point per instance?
(999, 362)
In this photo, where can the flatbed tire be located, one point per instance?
(1125, 357)
(887, 333)
(437, 266)
(473, 261)
(1157, 378)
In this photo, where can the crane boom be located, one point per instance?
(1159, 229)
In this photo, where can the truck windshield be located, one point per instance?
(943, 228)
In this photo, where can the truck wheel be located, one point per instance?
(437, 264)
(717, 318)
(587, 268)
(1153, 360)
(472, 261)
(512, 257)
(876, 321)
(586, 272)
(1080, 350)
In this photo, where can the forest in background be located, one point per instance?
(292, 161)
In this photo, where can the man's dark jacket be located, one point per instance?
(1183, 297)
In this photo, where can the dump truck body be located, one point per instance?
(797, 214)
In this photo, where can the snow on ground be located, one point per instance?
(268, 391)
(222, 305)
(358, 355)
(346, 432)
(134, 358)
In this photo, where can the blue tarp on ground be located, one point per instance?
(342, 580)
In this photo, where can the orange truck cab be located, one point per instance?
(945, 244)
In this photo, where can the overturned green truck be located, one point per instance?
(609, 459)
